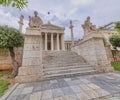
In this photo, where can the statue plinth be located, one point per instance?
(33, 31)
(32, 68)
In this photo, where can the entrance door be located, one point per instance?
(49, 46)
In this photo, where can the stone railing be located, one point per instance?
(92, 49)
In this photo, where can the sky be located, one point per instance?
(62, 11)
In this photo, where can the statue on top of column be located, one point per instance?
(88, 26)
(35, 21)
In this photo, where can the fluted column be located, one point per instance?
(62, 42)
(52, 46)
(58, 42)
(46, 41)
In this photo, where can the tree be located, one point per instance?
(14, 3)
(115, 40)
(117, 26)
(10, 38)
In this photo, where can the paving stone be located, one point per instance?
(45, 87)
(23, 97)
(27, 90)
(74, 78)
(67, 79)
(53, 81)
(61, 80)
(85, 81)
(77, 82)
(57, 93)
(63, 84)
(76, 89)
(67, 91)
(71, 83)
(72, 97)
(99, 87)
(83, 96)
(93, 86)
(54, 86)
(21, 86)
(37, 88)
(17, 91)
(92, 93)
(47, 94)
(61, 98)
(101, 92)
(35, 96)
(12, 98)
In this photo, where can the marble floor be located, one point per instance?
(90, 87)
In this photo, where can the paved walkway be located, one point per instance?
(90, 87)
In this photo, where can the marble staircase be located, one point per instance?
(64, 63)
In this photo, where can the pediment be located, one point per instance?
(51, 26)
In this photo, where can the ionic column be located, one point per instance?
(62, 42)
(46, 41)
(72, 35)
(58, 43)
(52, 47)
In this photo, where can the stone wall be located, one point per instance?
(109, 53)
(5, 59)
(92, 49)
(116, 55)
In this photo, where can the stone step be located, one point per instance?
(66, 70)
(68, 65)
(55, 76)
(63, 63)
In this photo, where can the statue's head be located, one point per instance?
(71, 22)
(21, 16)
(88, 18)
(35, 13)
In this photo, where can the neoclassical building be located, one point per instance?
(52, 37)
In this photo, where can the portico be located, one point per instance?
(52, 37)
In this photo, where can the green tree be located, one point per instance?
(115, 40)
(10, 38)
(14, 3)
(117, 26)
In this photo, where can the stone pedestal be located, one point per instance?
(31, 69)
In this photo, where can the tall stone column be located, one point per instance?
(46, 42)
(20, 22)
(62, 42)
(72, 35)
(52, 46)
(58, 42)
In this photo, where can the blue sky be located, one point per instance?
(61, 11)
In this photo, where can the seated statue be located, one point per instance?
(35, 21)
(88, 26)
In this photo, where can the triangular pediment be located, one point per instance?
(51, 26)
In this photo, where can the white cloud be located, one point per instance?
(8, 19)
(101, 12)
(82, 2)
